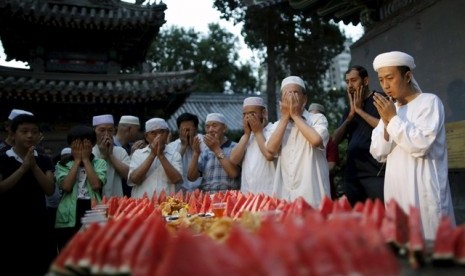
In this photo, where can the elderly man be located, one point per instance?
(258, 166)
(299, 138)
(411, 139)
(213, 165)
(126, 132)
(126, 135)
(155, 168)
(117, 158)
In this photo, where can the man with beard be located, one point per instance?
(363, 176)
(213, 165)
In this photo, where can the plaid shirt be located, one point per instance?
(214, 177)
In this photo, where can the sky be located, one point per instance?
(180, 13)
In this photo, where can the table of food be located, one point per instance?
(232, 233)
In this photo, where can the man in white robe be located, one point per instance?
(299, 139)
(258, 166)
(411, 139)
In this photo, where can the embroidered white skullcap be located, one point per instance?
(65, 151)
(102, 119)
(215, 117)
(130, 120)
(293, 80)
(154, 124)
(316, 107)
(256, 101)
(394, 58)
(16, 112)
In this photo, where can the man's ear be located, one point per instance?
(408, 76)
(365, 81)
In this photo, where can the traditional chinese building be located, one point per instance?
(86, 57)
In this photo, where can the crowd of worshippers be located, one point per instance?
(396, 150)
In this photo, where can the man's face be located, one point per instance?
(215, 129)
(163, 133)
(353, 81)
(393, 83)
(133, 131)
(296, 90)
(104, 131)
(26, 135)
(253, 111)
(188, 128)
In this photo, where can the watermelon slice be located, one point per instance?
(416, 244)
(394, 227)
(459, 250)
(377, 213)
(198, 255)
(326, 206)
(444, 244)
(358, 207)
(149, 254)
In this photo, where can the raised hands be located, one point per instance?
(186, 135)
(29, 161)
(105, 145)
(385, 107)
(246, 124)
(291, 106)
(196, 145)
(81, 150)
(157, 145)
(253, 123)
(212, 141)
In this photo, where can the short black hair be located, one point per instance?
(362, 72)
(81, 132)
(23, 119)
(185, 117)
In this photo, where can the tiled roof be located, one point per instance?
(22, 84)
(201, 104)
(86, 14)
(349, 11)
(83, 30)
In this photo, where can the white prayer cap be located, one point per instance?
(65, 151)
(16, 112)
(154, 124)
(394, 58)
(316, 107)
(256, 101)
(293, 80)
(216, 117)
(102, 119)
(130, 120)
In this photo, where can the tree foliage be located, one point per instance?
(213, 56)
(294, 42)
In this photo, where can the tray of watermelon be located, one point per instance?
(262, 235)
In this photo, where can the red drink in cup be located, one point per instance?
(218, 209)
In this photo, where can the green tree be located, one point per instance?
(212, 56)
(294, 42)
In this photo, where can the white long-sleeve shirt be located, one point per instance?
(416, 160)
(302, 169)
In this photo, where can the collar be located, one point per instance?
(11, 153)
(227, 143)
